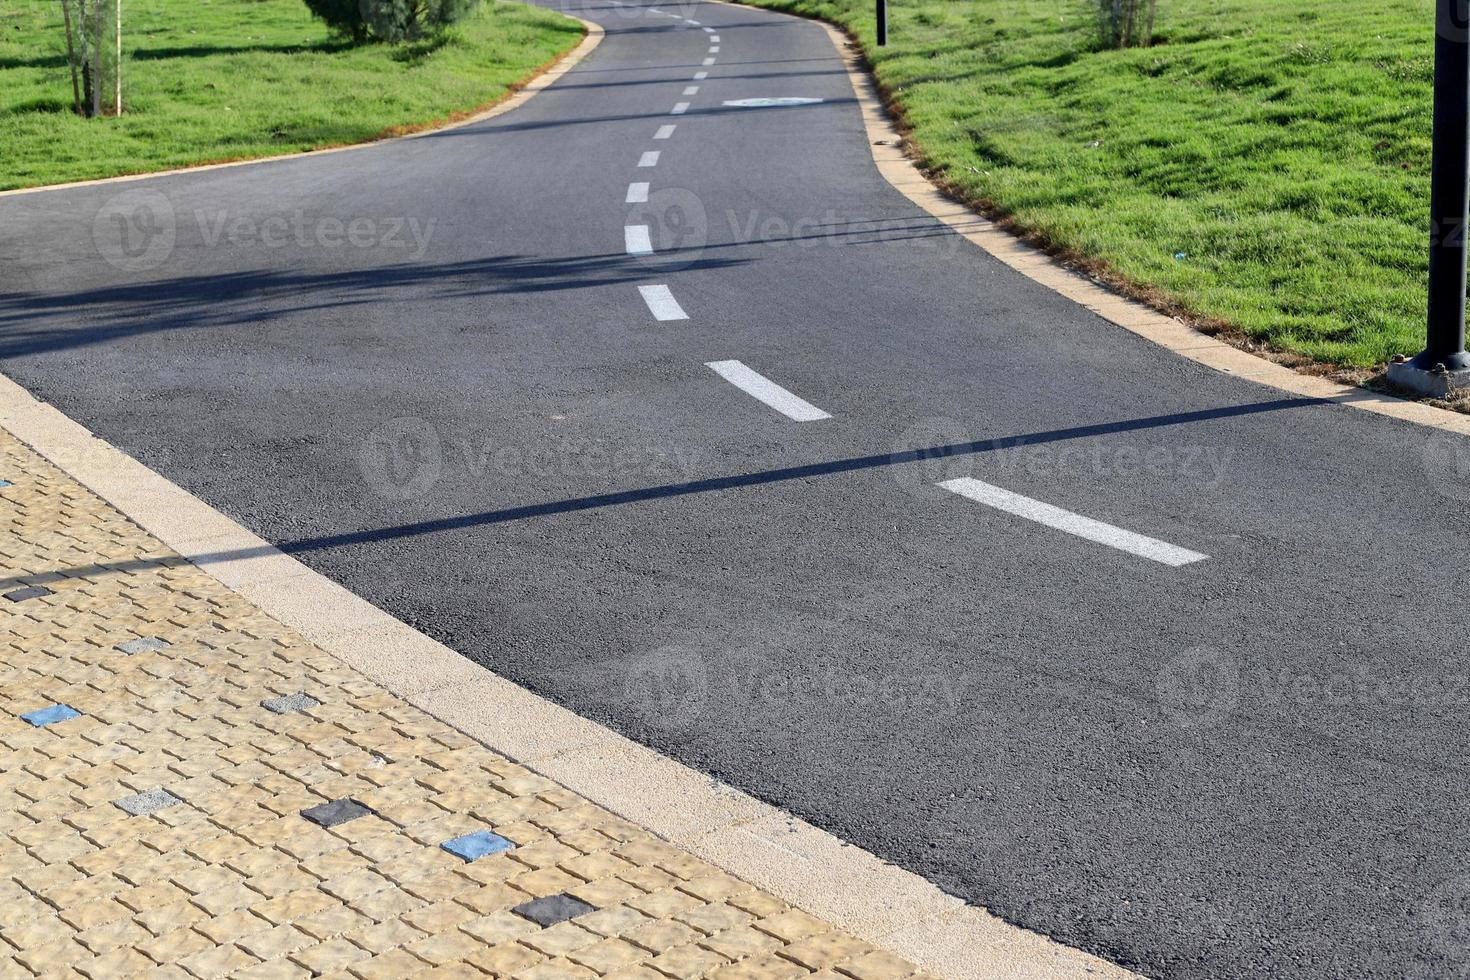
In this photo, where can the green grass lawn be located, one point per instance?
(212, 80)
(1265, 164)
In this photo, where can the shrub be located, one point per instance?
(1125, 23)
(390, 20)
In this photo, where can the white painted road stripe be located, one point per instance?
(679, 109)
(708, 61)
(635, 240)
(692, 90)
(664, 132)
(707, 30)
(764, 389)
(714, 49)
(661, 303)
(1064, 520)
(700, 76)
(648, 159)
(715, 39)
(637, 193)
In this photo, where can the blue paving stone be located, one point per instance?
(336, 812)
(34, 592)
(6, 483)
(552, 909)
(289, 703)
(51, 714)
(141, 645)
(477, 845)
(142, 804)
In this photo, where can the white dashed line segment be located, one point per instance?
(664, 132)
(765, 390)
(1064, 520)
(648, 159)
(679, 109)
(708, 61)
(700, 76)
(715, 49)
(637, 193)
(661, 303)
(692, 90)
(635, 240)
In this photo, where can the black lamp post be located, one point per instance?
(882, 22)
(1443, 364)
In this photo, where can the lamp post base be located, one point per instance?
(1435, 384)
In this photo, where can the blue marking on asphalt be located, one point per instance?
(477, 845)
(51, 715)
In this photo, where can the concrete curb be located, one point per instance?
(886, 144)
(513, 98)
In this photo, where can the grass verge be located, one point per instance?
(207, 81)
(1263, 167)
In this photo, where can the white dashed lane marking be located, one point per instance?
(708, 61)
(648, 159)
(715, 49)
(1065, 520)
(692, 90)
(765, 390)
(664, 132)
(637, 193)
(700, 76)
(661, 303)
(679, 109)
(635, 240)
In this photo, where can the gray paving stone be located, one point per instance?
(336, 812)
(33, 592)
(552, 909)
(289, 702)
(141, 645)
(151, 801)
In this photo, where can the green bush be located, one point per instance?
(1125, 23)
(390, 20)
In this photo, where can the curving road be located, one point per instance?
(1171, 667)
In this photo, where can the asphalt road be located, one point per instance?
(428, 370)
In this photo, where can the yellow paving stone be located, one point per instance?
(110, 935)
(713, 919)
(688, 961)
(607, 955)
(439, 917)
(293, 905)
(609, 891)
(557, 969)
(766, 966)
(271, 970)
(491, 898)
(501, 927)
(382, 936)
(636, 973)
(174, 946)
(560, 939)
(336, 920)
(824, 950)
(121, 962)
(445, 947)
(665, 904)
(791, 925)
(395, 964)
(334, 954)
(877, 964)
(166, 918)
(741, 942)
(217, 961)
(657, 935)
(275, 942)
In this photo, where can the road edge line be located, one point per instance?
(885, 143)
(516, 95)
(798, 862)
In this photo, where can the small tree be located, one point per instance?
(94, 54)
(390, 20)
(1125, 23)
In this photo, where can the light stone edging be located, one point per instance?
(886, 144)
(512, 100)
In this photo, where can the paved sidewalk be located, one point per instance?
(162, 739)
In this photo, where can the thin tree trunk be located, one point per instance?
(71, 60)
(117, 67)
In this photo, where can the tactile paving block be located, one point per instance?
(552, 909)
(477, 845)
(336, 812)
(151, 801)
